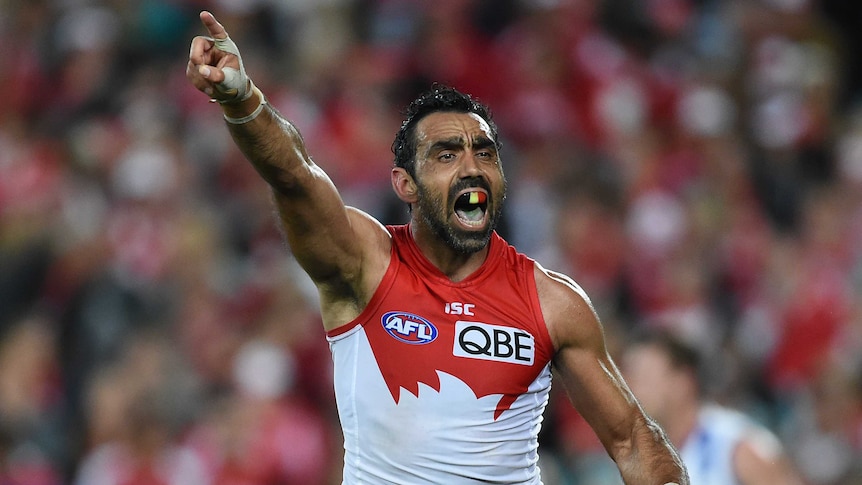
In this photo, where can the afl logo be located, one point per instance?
(409, 328)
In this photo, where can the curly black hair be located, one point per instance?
(439, 98)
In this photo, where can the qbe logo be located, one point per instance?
(409, 328)
(476, 340)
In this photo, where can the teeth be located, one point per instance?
(472, 198)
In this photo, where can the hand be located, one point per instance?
(215, 66)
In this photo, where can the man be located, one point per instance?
(718, 445)
(442, 335)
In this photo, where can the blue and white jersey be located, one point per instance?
(708, 451)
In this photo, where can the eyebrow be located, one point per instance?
(480, 143)
(483, 142)
(447, 144)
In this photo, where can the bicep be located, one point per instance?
(328, 239)
(595, 387)
(591, 378)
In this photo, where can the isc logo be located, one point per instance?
(409, 328)
(458, 308)
(477, 340)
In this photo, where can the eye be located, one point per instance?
(447, 156)
(489, 156)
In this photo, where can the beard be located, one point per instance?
(435, 213)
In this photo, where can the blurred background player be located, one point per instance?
(718, 444)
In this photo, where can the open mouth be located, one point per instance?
(471, 206)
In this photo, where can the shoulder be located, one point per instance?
(760, 458)
(566, 308)
(358, 216)
(558, 286)
(757, 453)
(370, 233)
(754, 441)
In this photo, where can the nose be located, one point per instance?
(470, 167)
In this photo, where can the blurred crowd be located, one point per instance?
(694, 164)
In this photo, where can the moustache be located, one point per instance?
(469, 183)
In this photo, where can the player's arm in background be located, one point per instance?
(595, 387)
(335, 244)
(760, 460)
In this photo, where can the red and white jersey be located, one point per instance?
(442, 382)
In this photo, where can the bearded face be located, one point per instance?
(463, 218)
(457, 189)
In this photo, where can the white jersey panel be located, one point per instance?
(445, 437)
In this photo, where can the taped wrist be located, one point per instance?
(236, 85)
(254, 114)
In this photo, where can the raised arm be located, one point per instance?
(344, 250)
(595, 387)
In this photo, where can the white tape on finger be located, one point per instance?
(227, 45)
(235, 84)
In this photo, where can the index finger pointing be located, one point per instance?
(215, 29)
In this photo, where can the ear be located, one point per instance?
(404, 185)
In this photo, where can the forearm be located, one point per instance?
(650, 459)
(271, 144)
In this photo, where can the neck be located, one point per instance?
(456, 265)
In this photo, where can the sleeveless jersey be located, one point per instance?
(443, 382)
(708, 450)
